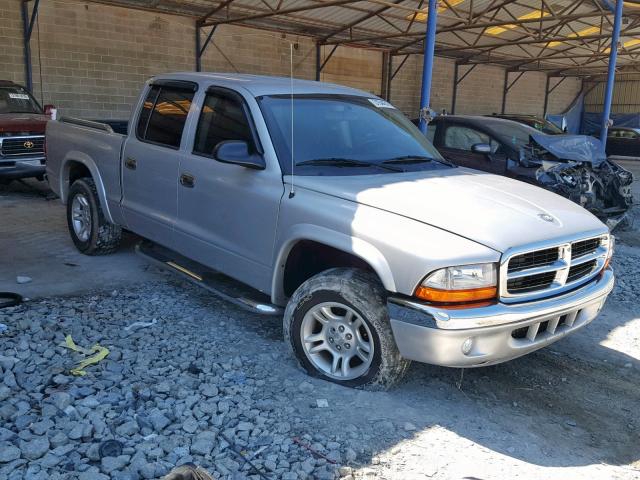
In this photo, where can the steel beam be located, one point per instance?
(507, 87)
(427, 68)
(457, 81)
(201, 47)
(611, 74)
(28, 22)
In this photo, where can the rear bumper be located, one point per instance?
(22, 169)
(496, 333)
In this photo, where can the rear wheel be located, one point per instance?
(91, 233)
(337, 325)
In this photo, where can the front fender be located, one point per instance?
(87, 161)
(346, 243)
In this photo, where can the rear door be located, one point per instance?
(151, 159)
(227, 213)
(455, 143)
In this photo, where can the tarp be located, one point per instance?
(591, 121)
(571, 118)
(579, 148)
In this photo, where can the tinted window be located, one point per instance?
(147, 107)
(463, 138)
(222, 118)
(168, 116)
(342, 127)
(17, 100)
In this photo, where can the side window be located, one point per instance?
(145, 113)
(463, 138)
(431, 132)
(222, 118)
(167, 117)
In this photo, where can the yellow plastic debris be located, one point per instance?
(97, 353)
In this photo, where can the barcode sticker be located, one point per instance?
(380, 103)
(19, 96)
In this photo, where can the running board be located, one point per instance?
(217, 283)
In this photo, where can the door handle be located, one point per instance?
(130, 163)
(187, 180)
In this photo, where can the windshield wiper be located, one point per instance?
(409, 159)
(347, 162)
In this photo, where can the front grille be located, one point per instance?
(534, 259)
(11, 147)
(584, 247)
(579, 271)
(531, 283)
(541, 272)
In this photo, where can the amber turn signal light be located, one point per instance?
(456, 296)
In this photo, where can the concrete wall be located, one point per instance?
(481, 90)
(96, 57)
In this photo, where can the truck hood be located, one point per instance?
(495, 211)
(23, 123)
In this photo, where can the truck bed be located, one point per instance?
(94, 145)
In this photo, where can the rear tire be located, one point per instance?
(337, 326)
(91, 233)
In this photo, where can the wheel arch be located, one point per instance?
(306, 239)
(77, 165)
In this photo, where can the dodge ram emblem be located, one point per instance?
(28, 144)
(546, 217)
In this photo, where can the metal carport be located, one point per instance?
(562, 38)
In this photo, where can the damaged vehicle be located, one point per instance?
(573, 166)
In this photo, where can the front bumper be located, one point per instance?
(24, 168)
(495, 333)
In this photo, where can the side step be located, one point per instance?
(219, 284)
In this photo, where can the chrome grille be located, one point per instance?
(22, 146)
(528, 274)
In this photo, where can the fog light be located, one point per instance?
(467, 345)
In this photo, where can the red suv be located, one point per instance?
(22, 126)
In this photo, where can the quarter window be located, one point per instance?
(164, 115)
(222, 118)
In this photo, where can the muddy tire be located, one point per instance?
(337, 325)
(91, 233)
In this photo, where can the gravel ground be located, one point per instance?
(211, 384)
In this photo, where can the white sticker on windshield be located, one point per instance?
(380, 103)
(19, 96)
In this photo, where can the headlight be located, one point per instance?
(462, 283)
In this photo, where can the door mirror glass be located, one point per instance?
(482, 148)
(238, 153)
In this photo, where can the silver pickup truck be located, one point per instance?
(325, 205)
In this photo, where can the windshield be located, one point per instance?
(514, 134)
(346, 133)
(17, 100)
(545, 126)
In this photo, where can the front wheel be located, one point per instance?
(337, 325)
(90, 231)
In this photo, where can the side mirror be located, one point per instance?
(482, 148)
(49, 109)
(237, 152)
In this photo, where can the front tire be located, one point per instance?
(337, 325)
(91, 233)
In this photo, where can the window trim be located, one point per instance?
(170, 85)
(235, 96)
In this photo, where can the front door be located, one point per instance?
(456, 145)
(151, 159)
(227, 214)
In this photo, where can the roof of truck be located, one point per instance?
(259, 85)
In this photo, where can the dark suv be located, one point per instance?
(22, 126)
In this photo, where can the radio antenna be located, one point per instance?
(293, 163)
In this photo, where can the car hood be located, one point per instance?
(579, 148)
(495, 211)
(22, 123)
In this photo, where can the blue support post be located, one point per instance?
(611, 74)
(427, 68)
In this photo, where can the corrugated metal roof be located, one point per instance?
(562, 36)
